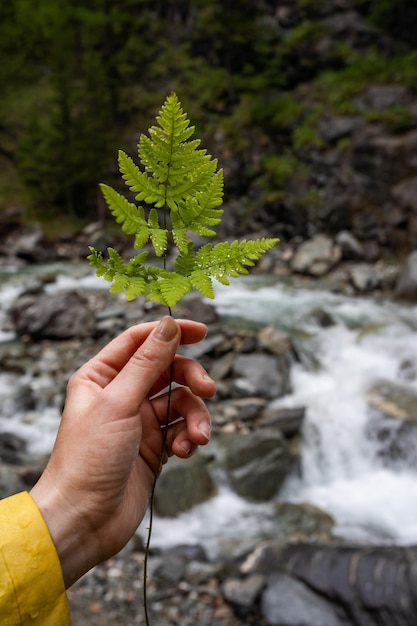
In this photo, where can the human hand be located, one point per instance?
(95, 489)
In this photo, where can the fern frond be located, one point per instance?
(185, 262)
(183, 192)
(203, 283)
(199, 212)
(148, 188)
(224, 259)
(170, 159)
(173, 288)
(159, 236)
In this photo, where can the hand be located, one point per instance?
(95, 489)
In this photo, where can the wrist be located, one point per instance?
(71, 543)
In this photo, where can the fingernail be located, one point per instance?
(205, 429)
(166, 329)
(186, 447)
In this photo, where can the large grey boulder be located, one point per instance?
(182, 485)
(257, 463)
(53, 316)
(365, 585)
(263, 375)
(287, 602)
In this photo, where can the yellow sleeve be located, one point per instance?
(32, 589)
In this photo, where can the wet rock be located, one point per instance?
(243, 592)
(60, 316)
(364, 584)
(182, 485)
(24, 398)
(316, 256)
(406, 287)
(393, 423)
(288, 420)
(12, 448)
(28, 244)
(302, 521)
(364, 277)
(303, 609)
(323, 318)
(257, 463)
(260, 375)
(273, 340)
(248, 409)
(394, 401)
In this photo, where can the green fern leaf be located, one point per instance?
(127, 214)
(182, 191)
(159, 236)
(149, 190)
(202, 282)
(137, 287)
(173, 288)
(185, 262)
(199, 212)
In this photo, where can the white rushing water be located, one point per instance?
(341, 473)
(369, 342)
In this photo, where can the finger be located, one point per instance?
(103, 368)
(196, 420)
(134, 382)
(189, 373)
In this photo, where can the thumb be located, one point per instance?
(151, 359)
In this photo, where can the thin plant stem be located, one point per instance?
(151, 500)
(160, 464)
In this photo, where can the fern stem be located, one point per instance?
(152, 496)
(163, 447)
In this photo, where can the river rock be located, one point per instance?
(350, 247)
(364, 277)
(393, 422)
(316, 256)
(260, 375)
(407, 282)
(59, 316)
(302, 521)
(288, 420)
(12, 448)
(257, 463)
(394, 401)
(287, 602)
(182, 485)
(173, 566)
(28, 244)
(243, 592)
(372, 585)
(273, 340)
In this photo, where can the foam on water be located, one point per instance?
(341, 471)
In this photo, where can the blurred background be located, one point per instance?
(299, 100)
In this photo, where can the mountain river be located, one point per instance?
(368, 340)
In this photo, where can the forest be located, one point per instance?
(82, 78)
